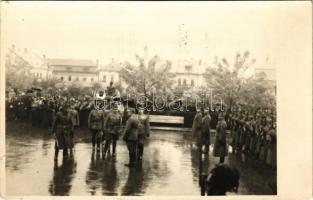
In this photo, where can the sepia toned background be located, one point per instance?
(282, 29)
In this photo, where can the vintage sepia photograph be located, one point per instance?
(141, 98)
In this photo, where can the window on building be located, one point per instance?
(185, 82)
(69, 78)
(192, 83)
(77, 79)
(179, 81)
(61, 78)
(84, 79)
(91, 79)
(104, 79)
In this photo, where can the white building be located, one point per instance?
(189, 73)
(267, 69)
(82, 72)
(109, 73)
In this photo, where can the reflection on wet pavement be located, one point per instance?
(170, 159)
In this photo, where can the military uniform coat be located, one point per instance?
(220, 146)
(143, 128)
(197, 125)
(96, 120)
(63, 128)
(205, 130)
(131, 129)
(113, 124)
(74, 117)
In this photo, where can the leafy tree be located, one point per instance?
(147, 76)
(17, 72)
(227, 80)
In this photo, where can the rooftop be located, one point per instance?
(72, 62)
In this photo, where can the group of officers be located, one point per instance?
(249, 131)
(105, 122)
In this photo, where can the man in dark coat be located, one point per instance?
(220, 146)
(205, 131)
(113, 126)
(143, 131)
(95, 124)
(222, 179)
(62, 128)
(197, 125)
(131, 136)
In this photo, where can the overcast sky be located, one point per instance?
(105, 30)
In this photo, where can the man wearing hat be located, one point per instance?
(205, 131)
(62, 128)
(143, 131)
(113, 126)
(131, 136)
(220, 146)
(197, 125)
(95, 124)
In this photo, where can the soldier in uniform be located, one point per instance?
(73, 114)
(196, 126)
(205, 131)
(111, 90)
(143, 131)
(113, 127)
(131, 136)
(95, 124)
(62, 128)
(220, 146)
(84, 111)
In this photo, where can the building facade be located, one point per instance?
(78, 71)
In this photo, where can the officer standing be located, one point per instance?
(131, 136)
(143, 131)
(205, 131)
(113, 126)
(62, 128)
(95, 124)
(196, 126)
(73, 113)
(220, 146)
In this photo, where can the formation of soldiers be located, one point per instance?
(248, 130)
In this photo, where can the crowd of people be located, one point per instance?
(250, 131)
